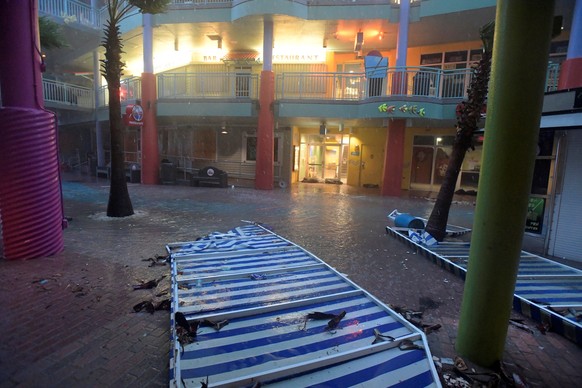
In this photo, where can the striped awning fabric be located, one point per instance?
(270, 294)
(545, 290)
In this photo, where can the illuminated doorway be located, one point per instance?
(324, 157)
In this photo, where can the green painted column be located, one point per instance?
(520, 57)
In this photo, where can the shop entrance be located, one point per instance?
(326, 158)
(430, 158)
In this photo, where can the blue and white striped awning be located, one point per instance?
(265, 286)
(545, 290)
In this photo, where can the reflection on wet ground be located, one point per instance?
(95, 336)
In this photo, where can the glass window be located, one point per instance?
(423, 140)
(456, 56)
(444, 140)
(251, 148)
(430, 59)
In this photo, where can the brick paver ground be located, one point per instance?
(68, 320)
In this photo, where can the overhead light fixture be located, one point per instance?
(359, 41)
(176, 44)
(324, 43)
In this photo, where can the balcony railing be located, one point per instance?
(130, 90)
(421, 82)
(208, 85)
(72, 11)
(67, 94)
(409, 81)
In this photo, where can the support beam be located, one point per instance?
(522, 36)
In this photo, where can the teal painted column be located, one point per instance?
(520, 58)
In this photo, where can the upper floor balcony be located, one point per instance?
(420, 84)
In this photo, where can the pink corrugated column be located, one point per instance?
(31, 213)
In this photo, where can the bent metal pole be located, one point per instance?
(520, 57)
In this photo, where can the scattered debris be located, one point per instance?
(379, 337)
(185, 331)
(157, 260)
(317, 316)
(519, 324)
(334, 322)
(407, 344)
(149, 284)
(415, 317)
(146, 305)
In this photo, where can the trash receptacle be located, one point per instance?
(134, 173)
(168, 173)
(405, 220)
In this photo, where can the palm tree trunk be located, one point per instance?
(437, 222)
(119, 204)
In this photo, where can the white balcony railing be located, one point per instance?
(72, 11)
(421, 82)
(208, 85)
(68, 94)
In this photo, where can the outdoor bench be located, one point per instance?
(210, 175)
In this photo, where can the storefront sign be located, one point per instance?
(535, 215)
(133, 115)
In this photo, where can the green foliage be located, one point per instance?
(51, 36)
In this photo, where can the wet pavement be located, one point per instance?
(68, 320)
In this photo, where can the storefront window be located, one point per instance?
(251, 148)
(430, 159)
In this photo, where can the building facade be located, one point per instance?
(331, 66)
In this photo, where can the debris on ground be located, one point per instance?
(158, 260)
(456, 373)
(149, 284)
(415, 317)
(520, 325)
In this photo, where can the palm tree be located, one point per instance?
(468, 116)
(119, 204)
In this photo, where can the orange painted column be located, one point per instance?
(394, 159)
(149, 132)
(264, 174)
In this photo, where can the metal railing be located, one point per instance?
(200, 2)
(130, 90)
(208, 85)
(72, 11)
(407, 82)
(67, 94)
